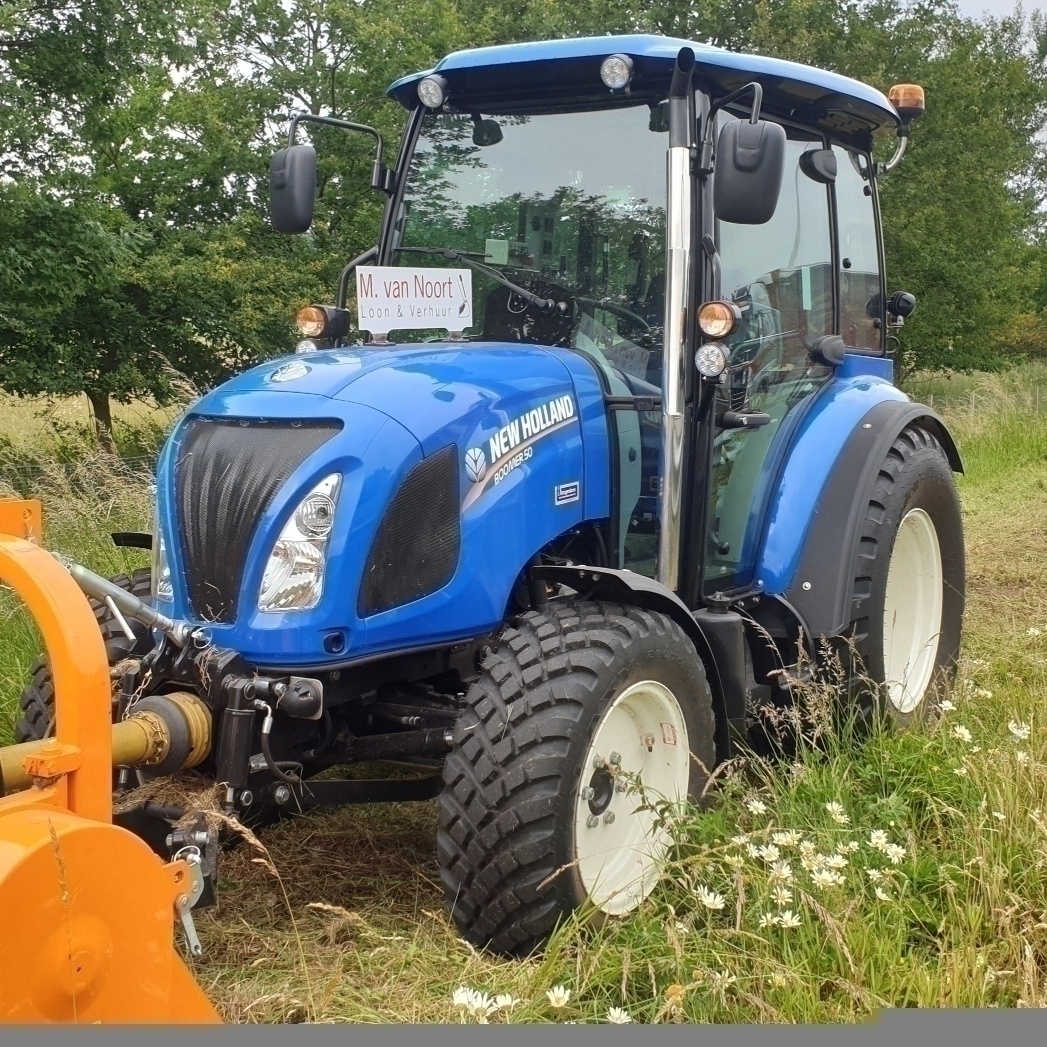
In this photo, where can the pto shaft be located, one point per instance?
(169, 732)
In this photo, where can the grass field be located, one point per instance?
(914, 868)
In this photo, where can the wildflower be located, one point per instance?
(896, 852)
(848, 847)
(476, 1003)
(1033, 631)
(806, 848)
(682, 928)
(946, 706)
(837, 813)
(961, 732)
(999, 816)
(782, 895)
(462, 998)
(722, 980)
(789, 919)
(878, 839)
(826, 878)
(709, 898)
(740, 841)
(790, 838)
(504, 1002)
(834, 861)
(781, 872)
(812, 862)
(735, 861)
(618, 1016)
(876, 875)
(778, 980)
(1021, 757)
(769, 919)
(882, 895)
(961, 771)
(558, 996)
(756, 806)
(769, 853)
(1019, 730)
(753, 849)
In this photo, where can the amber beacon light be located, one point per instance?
(908, 99)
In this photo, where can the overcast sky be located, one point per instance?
(974, 8)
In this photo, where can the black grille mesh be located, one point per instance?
(415, 551)
(227, 475)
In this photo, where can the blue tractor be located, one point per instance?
(617, 442)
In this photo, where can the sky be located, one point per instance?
(974, 8)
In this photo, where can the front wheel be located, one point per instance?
(909, 587)
(579, 709)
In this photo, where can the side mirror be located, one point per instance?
(486, 132)
(747, 178)
(292, 188)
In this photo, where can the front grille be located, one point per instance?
(227, 475)
(416, 549)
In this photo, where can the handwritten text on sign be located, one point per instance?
(397, 298)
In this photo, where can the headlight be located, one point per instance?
(162, 588)
(432, 91)
(294, 575)
(711, 359)
(616, 71)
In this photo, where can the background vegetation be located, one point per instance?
(135, 137)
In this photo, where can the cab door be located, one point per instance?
(781, 275)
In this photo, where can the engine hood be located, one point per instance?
(436, 391)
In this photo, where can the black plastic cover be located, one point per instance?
(416, 548)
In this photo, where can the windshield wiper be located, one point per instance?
(546, 305)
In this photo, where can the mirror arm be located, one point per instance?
(343, 280)
(381, 178)
(705, 162)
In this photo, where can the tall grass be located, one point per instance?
(913, 865)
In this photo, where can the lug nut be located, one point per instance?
(598, 762)
(592, 821)
(649, 742)
(616, 759)
(246, 798)
(281, 794)
(608, 818)
(588, 792)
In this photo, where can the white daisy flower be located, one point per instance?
(756, 806)
(769, 919)
(837, 813)
(834, 861)
(741, 840)
(826, 878)
(1021, 757)
(878, 839)
(946, 706)
(780, 872)
(999, 816)
(789, 919)
(876, 875)
(1019, 730)
(722, 980)
(782, 895)
(735, 861)
(896, 852)
(504, 1002)
(788, 838)
(709, 898)
(961, 732)
(618, 1016)
(882, 895)
(558, 996)
(769, 853)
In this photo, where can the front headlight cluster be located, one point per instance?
(160, 580)
(294, 574)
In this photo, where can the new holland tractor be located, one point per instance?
(608, 440)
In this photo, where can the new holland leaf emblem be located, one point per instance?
(475, 464)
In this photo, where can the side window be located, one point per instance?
(781, 273)
(860, 310)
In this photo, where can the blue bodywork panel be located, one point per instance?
(858, 385)
(534, 414)
(826, 99)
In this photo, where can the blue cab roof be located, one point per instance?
(570, 68)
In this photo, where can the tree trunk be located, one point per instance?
(103, 415)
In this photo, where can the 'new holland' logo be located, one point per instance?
(513, 444)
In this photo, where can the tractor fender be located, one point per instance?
(627, 587)
(821, 588)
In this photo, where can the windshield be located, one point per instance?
(570, 206)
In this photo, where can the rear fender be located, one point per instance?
(626, 587)
(822, 585)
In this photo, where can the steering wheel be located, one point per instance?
(618, 310)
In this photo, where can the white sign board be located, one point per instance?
(399, 298)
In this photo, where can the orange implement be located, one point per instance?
(87, 910)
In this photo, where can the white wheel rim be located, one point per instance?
(618, 848)
(912, 618)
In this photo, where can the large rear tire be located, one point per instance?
(535, 816)
(37, 702)
(909, 587)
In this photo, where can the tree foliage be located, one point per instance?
(134, 239)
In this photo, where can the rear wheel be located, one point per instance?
(909, 584)
(540, 814)
(37, 702)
